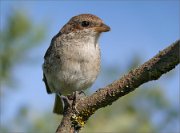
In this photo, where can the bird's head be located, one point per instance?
(85, 22)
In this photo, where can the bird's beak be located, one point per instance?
(102, 28)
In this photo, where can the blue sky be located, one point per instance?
(137, 28)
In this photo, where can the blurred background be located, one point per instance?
(139, 30)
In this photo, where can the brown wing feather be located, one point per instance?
(49, 50)
(47, 54)
(46, 84)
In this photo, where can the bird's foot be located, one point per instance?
(71, 100)
(77, 95)
(82, 93)
(65, 102)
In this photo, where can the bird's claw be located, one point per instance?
(76, 96)
(70, 100)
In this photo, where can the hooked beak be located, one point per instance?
(102, 28)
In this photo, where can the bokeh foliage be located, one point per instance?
(18, 36)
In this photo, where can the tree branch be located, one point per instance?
(163, 62)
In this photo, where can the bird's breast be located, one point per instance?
(83, 59)
(78, 66)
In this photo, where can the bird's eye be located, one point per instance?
(84, 23)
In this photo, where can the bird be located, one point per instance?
(72, 61)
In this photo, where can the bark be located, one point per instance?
(75, 118)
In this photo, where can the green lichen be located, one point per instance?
(79, 120)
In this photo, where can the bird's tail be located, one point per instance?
(58, 105)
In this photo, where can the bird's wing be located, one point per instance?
(46, 56)
(48, 52)
(46, 84)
